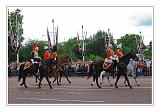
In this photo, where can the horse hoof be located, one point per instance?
(116, 86)
(126, 85)
(111, 84)
(51, 87)
(91, 84)
(131, 87)
(99, 86)
(138, 85)
(70, 82)
(26, 86)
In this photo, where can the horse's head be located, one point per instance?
(50, 61)
(64, 60)
(133, 55)
(67, 59)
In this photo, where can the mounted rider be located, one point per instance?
(54, 54)
(47, 53)
(109, 57)
(36, 59)
(119, 52)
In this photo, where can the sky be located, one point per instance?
(120, 21)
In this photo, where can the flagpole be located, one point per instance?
(17, 34)
(83, 44)
(53, 33)
(108, 38)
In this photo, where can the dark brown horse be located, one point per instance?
(33, 69)
(59, 71)
(43, 70)
(121, 68)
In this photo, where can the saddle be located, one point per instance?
(106, 65)
(27, 65)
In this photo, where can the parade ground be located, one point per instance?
(80, 91)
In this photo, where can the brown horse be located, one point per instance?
(33, 69)
(60, 69)
(55, 71)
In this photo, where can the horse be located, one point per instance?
(43, 70)
(60, 71)
(33, 69)
(131, 70)
(96, 67)
(121, 68)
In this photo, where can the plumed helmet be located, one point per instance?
(54, 48)
(35, 47)
(110, 46)
(119, 46)
(46, 47)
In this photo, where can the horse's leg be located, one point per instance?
(126, 78)
(57, 80)
(101, 77)
(93, 81)
(24, 82)
(128, 72)
(118, 76)
(67, 78)
(49, 83)
(109, 80)
(60, 77)
(41, 77)
(135, 78)
(54, 79)
(25, 85)
(97, 82)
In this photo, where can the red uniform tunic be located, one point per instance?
(119, 54)
(54, 55)
(47, 55)
(109, 53)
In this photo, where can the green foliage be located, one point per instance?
(12, 17)
(129, 42)
(148, 51)
(93, 57)
(25, 52)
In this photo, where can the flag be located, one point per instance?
(12, 40)
(57, 36)
(49, 40)
(78, 39)
(80, 47)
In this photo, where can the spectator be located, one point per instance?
(139, 68)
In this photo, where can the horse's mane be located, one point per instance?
(125, 56)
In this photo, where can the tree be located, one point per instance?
(14, 23)
(129, 42)
(148, 51)
(27, 49)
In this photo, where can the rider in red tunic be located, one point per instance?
(54, 54)
(110, 55)
(36, 58)
(47, 53)
(119, 52)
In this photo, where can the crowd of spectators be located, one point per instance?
(80, 68)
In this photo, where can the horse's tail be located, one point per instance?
(20, 72)
(90, 70)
